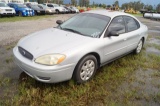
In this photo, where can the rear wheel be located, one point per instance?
(139, 47)
(20, 14)
(85, 69)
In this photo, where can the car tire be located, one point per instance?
(36, 13)
(57, 11)
(85, 69)
(139, 47)
(20, 14)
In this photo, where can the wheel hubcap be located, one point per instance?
(139, 46)
(87, 70)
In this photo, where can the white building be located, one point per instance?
(15, 1)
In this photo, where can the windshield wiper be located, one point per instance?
(72, 30)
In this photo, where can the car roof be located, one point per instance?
(109, 13)
(15, 3)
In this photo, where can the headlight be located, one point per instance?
(50, 10)
(24, 11)
(38, 11)
(50, 59)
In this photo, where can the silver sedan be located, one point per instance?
(79, 46)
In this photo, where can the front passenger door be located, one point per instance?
(115, 46)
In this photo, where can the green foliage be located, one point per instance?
(83, 3)
(74, 2)
(158, 8)
(135, 5)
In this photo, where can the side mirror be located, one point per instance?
(113, 33)
(59, 22)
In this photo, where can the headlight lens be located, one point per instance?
(50, 59)
(24, 11)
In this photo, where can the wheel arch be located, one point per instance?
(143, 39)
(97, 56)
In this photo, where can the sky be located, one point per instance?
(110, 2)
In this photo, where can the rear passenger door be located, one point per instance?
(133, 32)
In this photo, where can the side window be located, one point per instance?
(131, 23)
(49, 5)
(40, 6)
(9, 5)
(118, 25)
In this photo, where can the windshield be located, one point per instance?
(87, 24)
(35, 6)
(42, 6)
(55, 5)
(3, 5)
(21, 6)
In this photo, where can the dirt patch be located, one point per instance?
(153, 50)
(154, 41)
(142, 88)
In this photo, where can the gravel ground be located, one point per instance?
(13, 31)
(10, 32)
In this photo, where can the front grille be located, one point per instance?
(43, 12)
(8, 9)
(9, 13)
(25, 53)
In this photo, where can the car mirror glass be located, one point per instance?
(59, 22)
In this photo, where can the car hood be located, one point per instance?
(52, 40)
(6, 8)
(24, 8)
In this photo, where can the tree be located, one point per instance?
(104, 5)
(73, 2)
(80, 3)
(116, 3)
(84, 3)
(135, 5)
(158, 8)
(148, 7)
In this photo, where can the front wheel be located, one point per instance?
(57, 11)
(85, 69)
(139, 47)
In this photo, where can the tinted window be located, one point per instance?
(131, 23)
(49, 5)
(118, 25)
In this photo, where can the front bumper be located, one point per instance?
(50, 12)
(7, 14)
(62, 11)
(28, 13)
(48, 74)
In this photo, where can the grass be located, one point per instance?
(16, 18)
(100, 90)
(136, 14)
